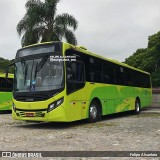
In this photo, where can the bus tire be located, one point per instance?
(93, 112)
(137, 107)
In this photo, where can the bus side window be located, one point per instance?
(80, 72)
(75, 76)
(75, 71)
(129, 77)
(120, 76)
(3, 86)
(95, 70)
(69, 73)
(108, 73)
(9, 83)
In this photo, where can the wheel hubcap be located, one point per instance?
(137, 107)
(93, 111)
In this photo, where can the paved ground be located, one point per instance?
(118, 132)
(154, 109)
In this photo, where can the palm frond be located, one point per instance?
(70, 37)
(32, 3)
(50, 8)
(66, 20)
(22, 25)
(30, 37)
(35, 13)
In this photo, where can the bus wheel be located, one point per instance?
(137, 107)
(93, 112)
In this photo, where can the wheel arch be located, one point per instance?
(97, 100)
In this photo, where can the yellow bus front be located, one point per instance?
(39, 84)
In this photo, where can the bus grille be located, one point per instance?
(36, 114)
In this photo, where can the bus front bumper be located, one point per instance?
(56, 115)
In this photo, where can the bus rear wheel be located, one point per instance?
(137, 106)
(93, 112)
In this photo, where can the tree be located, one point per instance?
(148, 59)
(40, 23)
(4, 63)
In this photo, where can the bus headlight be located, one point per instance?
(14, 107)
(55, 104)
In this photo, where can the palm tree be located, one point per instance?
(40, 23)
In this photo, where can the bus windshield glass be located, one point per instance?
(38, 74)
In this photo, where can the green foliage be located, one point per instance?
(41, 23)
(154, 40)
(4, 63)
(156, 78)
(148, 59)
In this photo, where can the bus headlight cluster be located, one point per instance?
(55, 104)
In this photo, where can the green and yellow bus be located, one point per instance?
(6, 85)
(59, 82)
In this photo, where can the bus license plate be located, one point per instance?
(30, 114)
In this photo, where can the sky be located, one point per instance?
(112, 28)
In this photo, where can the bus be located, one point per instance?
(6, 85)
(60, 82)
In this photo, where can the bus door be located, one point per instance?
(76, 94)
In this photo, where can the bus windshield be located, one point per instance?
(39, 74)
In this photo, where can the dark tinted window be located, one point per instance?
(101, 71)
(108, 73)
(75, 72)
(95, 70)
(9, 83)
(120, 75)
(75, 76)
(3, 85)
(141, 79)
(147, 83)
(6, 84)
(128, 77)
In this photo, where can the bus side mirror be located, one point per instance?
(6, 71)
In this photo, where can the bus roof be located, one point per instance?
(36, 44)
(84, 50)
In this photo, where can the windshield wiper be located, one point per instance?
(41, 63)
